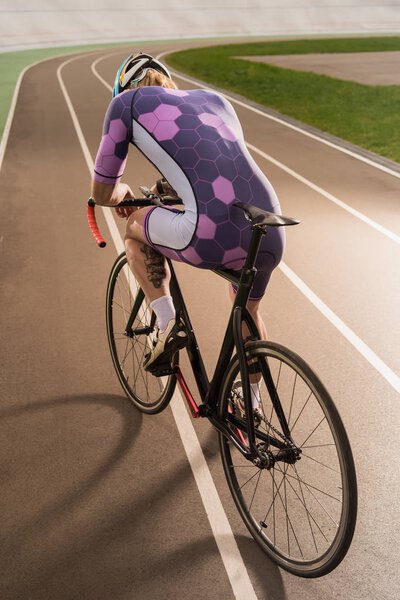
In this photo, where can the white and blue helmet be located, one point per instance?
(134, 69)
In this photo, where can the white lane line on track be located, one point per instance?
(97, 74)
(220, 526)
(348, 333)
(356, 213)
(313, 136)
(391, 377)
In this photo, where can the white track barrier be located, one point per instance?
(65, 22)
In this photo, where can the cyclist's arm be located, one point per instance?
(107, 190)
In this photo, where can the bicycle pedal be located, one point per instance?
(162, 370)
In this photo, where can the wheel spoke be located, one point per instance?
(292, 399)
(313, 431)
(320, 463)
(315, 488)
(319, 446)
(301, 412)
(250, 478)
(303, 501)
(322, 506)
(288, 519)
(255, 489)
(271, 506)
(127, 352)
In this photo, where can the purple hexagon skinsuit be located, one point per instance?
(196, 134)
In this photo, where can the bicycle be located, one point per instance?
(288, 462)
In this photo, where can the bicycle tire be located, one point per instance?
(148, 393)
(291, 494)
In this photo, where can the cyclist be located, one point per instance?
(195, 140)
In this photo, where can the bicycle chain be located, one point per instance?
(268, 424)
(282, 435)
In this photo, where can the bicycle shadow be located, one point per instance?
(132, 421)
(53, 565)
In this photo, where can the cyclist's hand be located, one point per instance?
(121, 192)
(125, 211)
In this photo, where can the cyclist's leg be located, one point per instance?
(151, 270)
(159, 232)
(253, 306)
(147, 264)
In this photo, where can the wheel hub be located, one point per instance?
(265, 458)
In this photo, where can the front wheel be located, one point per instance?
(125, 299)
(301, 505)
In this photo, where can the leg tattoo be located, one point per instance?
(155, 265)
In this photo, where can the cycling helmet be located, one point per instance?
(134, 69)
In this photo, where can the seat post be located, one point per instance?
(254, 246)
(249, 271)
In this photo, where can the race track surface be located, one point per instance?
(100, 502)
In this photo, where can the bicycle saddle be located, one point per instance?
(259, 217)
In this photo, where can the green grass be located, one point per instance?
(368, 116)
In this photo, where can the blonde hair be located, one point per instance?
(154, 77)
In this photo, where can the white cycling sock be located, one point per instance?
(255, 395)
(165, 311)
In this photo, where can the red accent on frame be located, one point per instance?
(194, 409)
(238, 432)
(240, 436)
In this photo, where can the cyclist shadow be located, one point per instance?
(121, 526)
(52, 511)
(265, 576)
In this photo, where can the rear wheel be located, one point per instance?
(301, 506)
(148, 393)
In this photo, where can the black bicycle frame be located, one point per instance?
(233, 339)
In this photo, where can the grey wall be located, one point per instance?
(63, 22)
